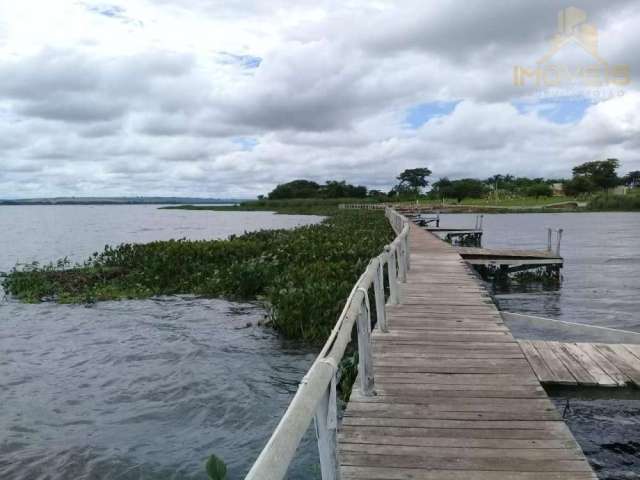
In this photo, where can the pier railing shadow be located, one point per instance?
(316, 397)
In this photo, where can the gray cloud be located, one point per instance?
(328, 99)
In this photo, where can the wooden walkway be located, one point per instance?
(589, 364)
(456, 397)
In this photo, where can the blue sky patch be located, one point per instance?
(113, 11)
(558, 110)
(245, 61)
(421, 113)
(246, 143)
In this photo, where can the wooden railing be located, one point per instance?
(362, 206)
(316, 395)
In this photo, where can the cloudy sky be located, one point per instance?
(230, 97)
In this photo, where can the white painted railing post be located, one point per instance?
(407, 252)
(365, 357)
(378, 289)
(402, 265)
(326, 422)
(392, 272)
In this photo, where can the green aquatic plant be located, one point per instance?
(304, 275)
(348, 369)
(216, 468)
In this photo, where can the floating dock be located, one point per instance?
(587, 364)
(511, 258)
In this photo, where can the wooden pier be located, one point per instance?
(443, 389)
(455, 396)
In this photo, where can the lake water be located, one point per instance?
(137, 389)
(148, 389)
(601, 275)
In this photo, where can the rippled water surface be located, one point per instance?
(607, 425)
(136, 389)
(601, 275)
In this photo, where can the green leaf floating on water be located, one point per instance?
(216, 469)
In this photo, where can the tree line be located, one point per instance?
(589, 177)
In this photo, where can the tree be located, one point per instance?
(442, 188)
(539, 190)
(335, 189)
(413, 179)
(309, 189)
(602, 173)
(578, 186)
(295, 189)
(467, 188)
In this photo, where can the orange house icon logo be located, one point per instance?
(573, 28)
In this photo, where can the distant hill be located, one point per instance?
(117, 201)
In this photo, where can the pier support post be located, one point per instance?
(558, 243)
(326, 423)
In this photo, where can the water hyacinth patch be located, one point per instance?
(304, 275)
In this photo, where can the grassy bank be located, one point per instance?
(304, 274)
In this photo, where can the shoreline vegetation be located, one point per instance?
(309, 206)
(303, 275)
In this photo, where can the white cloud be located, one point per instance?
(151, 97)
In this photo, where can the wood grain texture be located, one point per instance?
(591, 364)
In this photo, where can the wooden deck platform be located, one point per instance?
(487, 256)
(456, 397)
(589, 364)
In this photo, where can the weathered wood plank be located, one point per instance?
(598, 374)
(537, 362)
(386, 473)
(603, 362)
(449, 412)
(623, 359)
(561, 374)
(465, 462)
(458, 379)
(577, 370)
(413, 435)
(567, 453)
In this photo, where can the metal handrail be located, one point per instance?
(316, 395)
